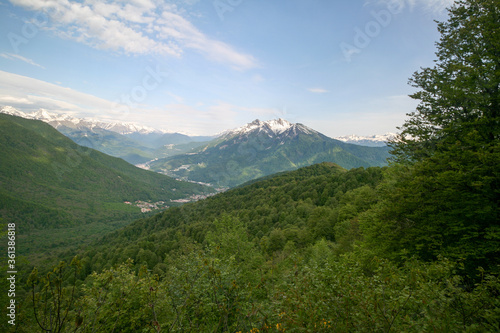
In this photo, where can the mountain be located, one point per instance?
(378, 140)
(134, 143)
(262, 148)
(57, 121)
(47, 182)
(110, 143)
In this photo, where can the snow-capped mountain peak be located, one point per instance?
(273, 128)
(127, 128)
(279, 125)
(13, 111)
(58, 120)
(43, 114)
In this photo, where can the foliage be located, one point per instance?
(412, 247)
(446, 199)
(344, 294)
(460, 95)
(54, 300)
(314, 291)
(49, 182)
(294, 208)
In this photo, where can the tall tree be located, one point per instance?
(460, 94)
(446, 199)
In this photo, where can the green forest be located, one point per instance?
(410, 247)
(62, 194)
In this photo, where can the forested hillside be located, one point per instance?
(50, 183)
(289, 253)
(411, 247)
(296, 208)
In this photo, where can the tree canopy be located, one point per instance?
(447, 193)
(459, 96)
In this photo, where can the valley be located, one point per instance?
(225, 160)
(306, 212)
(51, 183)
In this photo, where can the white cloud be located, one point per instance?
(28, 95)
(11, 100)
(436, 6)
(12, 56)
(137, 27)
(27, 92)
(318, 90)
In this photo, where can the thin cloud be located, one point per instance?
(12, 56)
(11, 100)
(32, 91)
(317, 90)
(29, 94)
(138, 27)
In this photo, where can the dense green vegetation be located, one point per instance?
(412, 247)
(447, 192)
(48, 182)
(282, 254)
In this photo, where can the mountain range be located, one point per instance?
(144, 136)
(47, 182)
(151, 136)
(377, 140)
(132, 142)
(262, 148)
(228, 159)
(57, 121)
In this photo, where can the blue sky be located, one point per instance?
(204, 66)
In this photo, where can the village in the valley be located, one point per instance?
(148, 206)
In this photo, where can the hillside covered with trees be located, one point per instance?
(61, 193)
(412, 247)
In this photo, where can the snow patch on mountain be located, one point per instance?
(275, 128)
(58, 120)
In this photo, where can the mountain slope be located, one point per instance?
(110, 143)
(262, 148)
(134, 143)
(48, 181)
(285, 252)
(299, 206)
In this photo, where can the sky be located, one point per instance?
(200, 67)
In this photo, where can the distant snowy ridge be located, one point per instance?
(377, 140)
(276, 128)
(58, 120)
